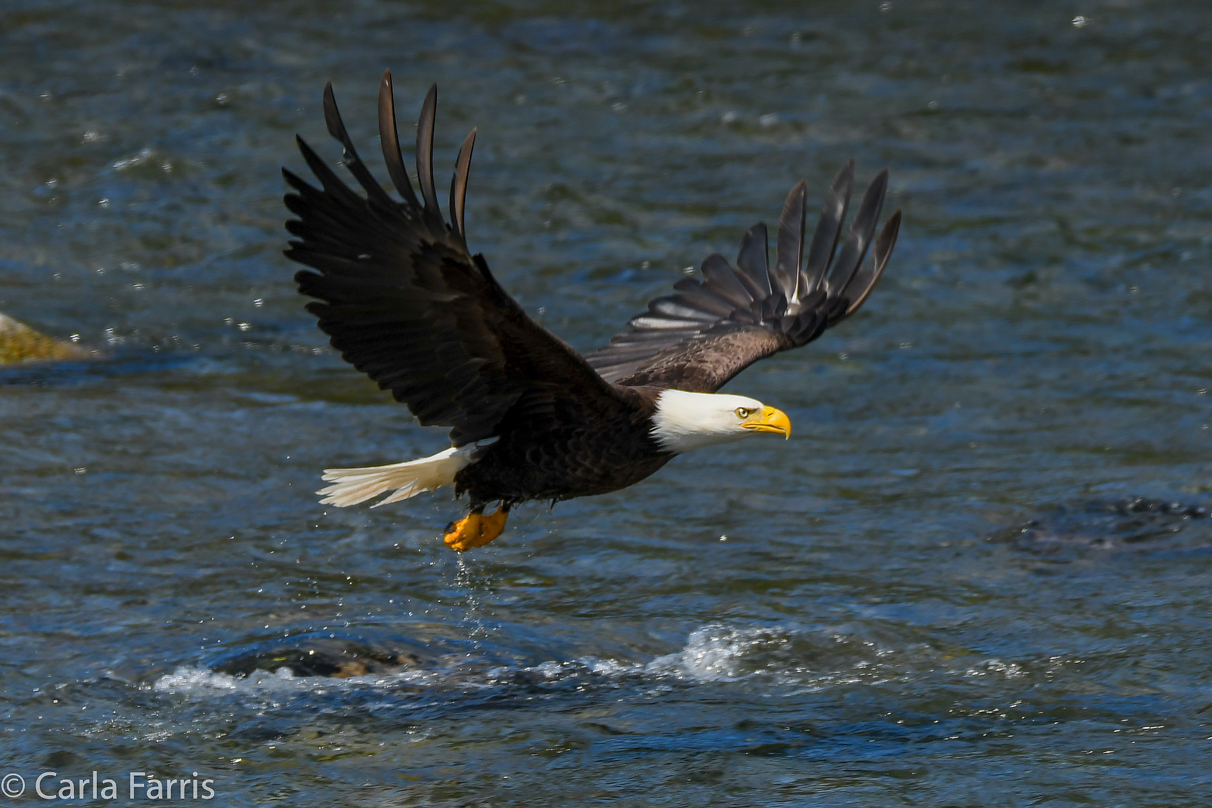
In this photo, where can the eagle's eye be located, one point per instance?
(742, 412)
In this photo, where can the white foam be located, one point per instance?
(713, 653)
(188, 679)
(716, 652)
(1010, 670)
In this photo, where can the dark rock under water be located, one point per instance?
(1132, 525)
(319, 654)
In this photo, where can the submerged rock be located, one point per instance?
(19, 343)
(1136, 524)
(339, 656)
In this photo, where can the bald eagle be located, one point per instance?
(407, 303)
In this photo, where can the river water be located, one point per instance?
(978, 574)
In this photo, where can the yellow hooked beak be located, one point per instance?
(769, 420)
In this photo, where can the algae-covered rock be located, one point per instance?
(20, 343)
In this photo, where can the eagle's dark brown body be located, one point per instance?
(568, 457)
(405, 301)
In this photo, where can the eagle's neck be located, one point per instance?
(684, 421)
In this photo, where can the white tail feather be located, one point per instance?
(351, 486)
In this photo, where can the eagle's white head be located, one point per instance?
(685, 421)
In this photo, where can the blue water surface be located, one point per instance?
(978, 575)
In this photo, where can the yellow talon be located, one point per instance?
(475, 530)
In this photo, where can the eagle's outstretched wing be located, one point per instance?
(405, 301)
(708, 331)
